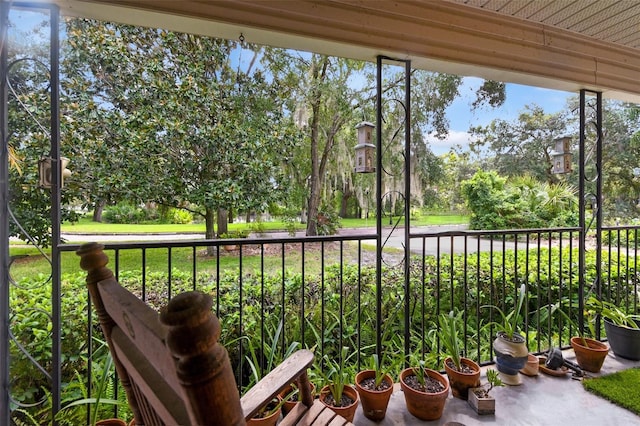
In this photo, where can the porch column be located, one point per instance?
(4, 219)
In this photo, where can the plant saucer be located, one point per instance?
(562, 371)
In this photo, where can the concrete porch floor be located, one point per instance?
(540, 400)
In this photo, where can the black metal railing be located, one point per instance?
(275, 294)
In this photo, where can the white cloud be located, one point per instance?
(454, 138)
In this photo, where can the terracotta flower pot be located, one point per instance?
(289, 404)
(269, 420)
(348, 411)
(424, 405)
(590, 357)
(374, 402)
(460, 381)
(111, 422)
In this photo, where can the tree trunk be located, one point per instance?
(347, 194)
(314, 179)
(314, 206)
(223, 221)
(343, 205)
(209, 233)
(97, 210)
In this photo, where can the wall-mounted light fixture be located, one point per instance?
(44, 171)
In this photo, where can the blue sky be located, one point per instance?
(518, 97)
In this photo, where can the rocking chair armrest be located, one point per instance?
(278, 379)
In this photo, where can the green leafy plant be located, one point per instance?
(235, 234)
(594, 306)
(510, 319)
(102, 387)
(493, 380)
(448, 332)
(337, 376)
(271, 352)
(376, 365)
(420, 373)
(273, 406)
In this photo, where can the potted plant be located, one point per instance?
(623, 329)
(269, 351)
(374, 387)
(480, 399)
(509, 346)
(590, 353)
(234, 235)
(290, 396)
(269, 414)
(463, 373)
(341, 397)
(425, 391)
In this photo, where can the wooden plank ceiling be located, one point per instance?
(560, 44)
(611, 21)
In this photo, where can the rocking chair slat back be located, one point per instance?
(171, 365)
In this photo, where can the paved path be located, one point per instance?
(393, 239)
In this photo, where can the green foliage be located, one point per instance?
(269, 353)
(187, 127)
(290, 220)
(243, 233)
(257, 228)
(523, 145)
(29, 115)
(319, 310)
(376, 366)
(448, 331)
(328, 221)
(337, 376)
(177, 216)
(511, 318)
(105, 377)
(498, 203)
(493, 379)
(124, 213)
(609, 310)
(31, 325)
(420, 372)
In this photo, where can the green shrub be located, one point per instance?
(258, 228)
(180, 216)
(519, 203)
(328, 221)
(123, 213)
(322, 311)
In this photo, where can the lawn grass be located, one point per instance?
(182, 258)
(621, 388)
(86, 226)
(157, 260)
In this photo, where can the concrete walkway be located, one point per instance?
(542, 400)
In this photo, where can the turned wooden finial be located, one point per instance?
(202, 364)
(94, 261)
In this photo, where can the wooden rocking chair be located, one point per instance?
(171, 365)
